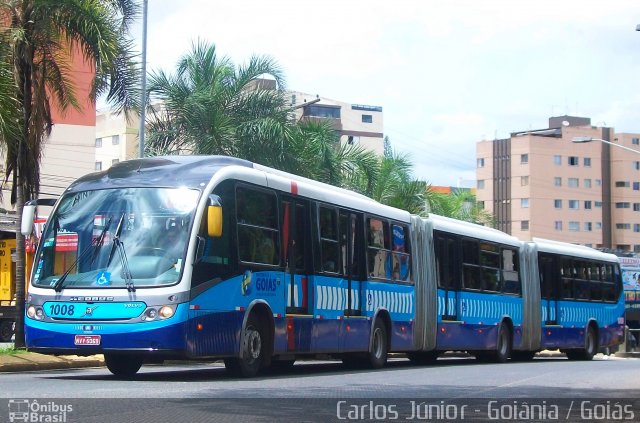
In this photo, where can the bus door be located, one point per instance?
(355, 328)
(298, 293)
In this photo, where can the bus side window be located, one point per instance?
(329, 246)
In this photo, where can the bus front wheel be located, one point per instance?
(123, 365)
(253, 350)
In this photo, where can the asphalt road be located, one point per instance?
(311, 390)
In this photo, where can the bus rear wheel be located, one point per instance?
(590, 347)
(379, 346)
(123, 365)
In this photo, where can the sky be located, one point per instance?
(447, 73)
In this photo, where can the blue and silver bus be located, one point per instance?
(195, 257)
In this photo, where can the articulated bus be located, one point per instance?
(194, 257)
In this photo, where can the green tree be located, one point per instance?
(40, 39)
(460, 204)
(210, 106)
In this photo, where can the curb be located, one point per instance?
(32, 361)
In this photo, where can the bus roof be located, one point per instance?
(448, 224)
(573, 250)
(197, 171)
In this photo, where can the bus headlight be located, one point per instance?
(35, 312)
(166, 311)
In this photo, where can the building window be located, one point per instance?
(480, 205)
(635, 141)
(524, 203)
(557, 204)
(622, 184)
(636, 227)
(114, 161)
(623, 226)
(574, 226)
(587, 205)
(98, 165)
(557, 160)
(636, 186)
(524, 181)
(322, 111)
(587, 183)
(636, 248)
(636, 165)
(598, 204)
(480, 162)
(558, 225)
(587, 161)
(587, 226)
(480, 183)
(573, 160)
(524, 225)
(636, 206)
(557, 181)
(623, 205)
(574, 182)
(598, 182)
(574, 204)
(115, 140)
(98, 142)
(367, 119)
(598, 225)
(524, 158)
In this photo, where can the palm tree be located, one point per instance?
(211, 107)
(41, 38)
(461, 205)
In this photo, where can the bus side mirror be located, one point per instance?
(214, 217)
(28, 213)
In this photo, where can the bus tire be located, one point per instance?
(421, 358)
(590, 347)
(379, 346)
(253, 346)
(123, 365)
(503, 344)
(6, 330)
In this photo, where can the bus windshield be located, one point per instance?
(116, 238)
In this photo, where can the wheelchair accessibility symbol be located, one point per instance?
(103, 278)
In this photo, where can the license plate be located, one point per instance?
(87, 340)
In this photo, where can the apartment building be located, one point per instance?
(540, 183)
(356, 124)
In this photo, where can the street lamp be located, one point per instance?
(589, 139)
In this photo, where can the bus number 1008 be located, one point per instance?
(61, 310)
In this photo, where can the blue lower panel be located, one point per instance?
(218, 333)
(62, 336)
(564, 337)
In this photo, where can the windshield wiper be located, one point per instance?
(95, 245)
(124, 263)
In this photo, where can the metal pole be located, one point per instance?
(143, 85)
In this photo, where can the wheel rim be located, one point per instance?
(377, 343)
(253, 343)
